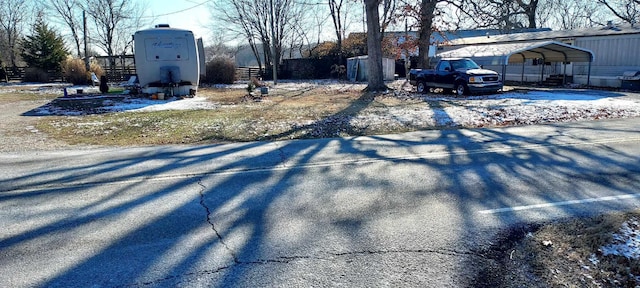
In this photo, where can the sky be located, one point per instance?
(184, 14)
(194, 15)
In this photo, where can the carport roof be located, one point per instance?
(503, 54)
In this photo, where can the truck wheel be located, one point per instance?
(460, 89)
(422, 87)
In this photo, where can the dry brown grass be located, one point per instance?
(562, 254)
(21, 93)
(301, 113)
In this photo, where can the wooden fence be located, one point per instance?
(18, 73)
(245, 73)
(120, 74)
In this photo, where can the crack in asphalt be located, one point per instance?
(283, 157)
(289, 259)
(449, 252)
(210, 221)
(333, 256)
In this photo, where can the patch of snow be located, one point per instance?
(32, 129)
(47, 88)
(594, 259)
(626, 242)
(292, 85)
(34, 84)
(146, 105)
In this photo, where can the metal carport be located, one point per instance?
(511, 53)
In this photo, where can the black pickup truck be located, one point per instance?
(460, 75)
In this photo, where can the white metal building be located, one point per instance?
(615, 50)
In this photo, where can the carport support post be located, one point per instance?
(589, 75)
(504, 73)
(564, 74)
(542, 71)
(522, 74)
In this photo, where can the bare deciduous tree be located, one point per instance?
(530, 11)
(375, 77)
(574, 14)
(114, 23)
(389, 13)
(12, 17)
(506, 14)
(337, 15)
(342, 14)
(271, 23)
(70, 12)
(625, 10)
(424, 13)
(217, 49)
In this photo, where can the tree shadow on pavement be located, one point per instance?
(265, 213)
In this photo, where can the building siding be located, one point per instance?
(613, 53)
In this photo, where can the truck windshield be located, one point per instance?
(464, 64)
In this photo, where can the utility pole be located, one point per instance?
(274, 60)
(86, 46)
(407, 58)
(364, 17)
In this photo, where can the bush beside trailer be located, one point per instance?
(168, 60)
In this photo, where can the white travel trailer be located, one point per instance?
(168, 60)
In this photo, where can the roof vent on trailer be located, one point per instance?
(162, 25)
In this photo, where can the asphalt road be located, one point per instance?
(415, 210)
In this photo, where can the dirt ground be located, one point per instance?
(18, 133)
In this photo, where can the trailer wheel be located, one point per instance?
(460, 89)
(422, 87)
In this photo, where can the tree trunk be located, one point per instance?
(256, 53)
(335, 7)
(427, 8)
(375, 78)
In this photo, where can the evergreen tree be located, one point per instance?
(44, 49)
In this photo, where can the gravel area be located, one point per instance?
(18, 133)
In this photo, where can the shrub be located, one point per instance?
(35, 75)
(96, 68)
(75, 71)
(338, 71)
(221, 70)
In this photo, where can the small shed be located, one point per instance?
(357, 68)
(504, 54)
